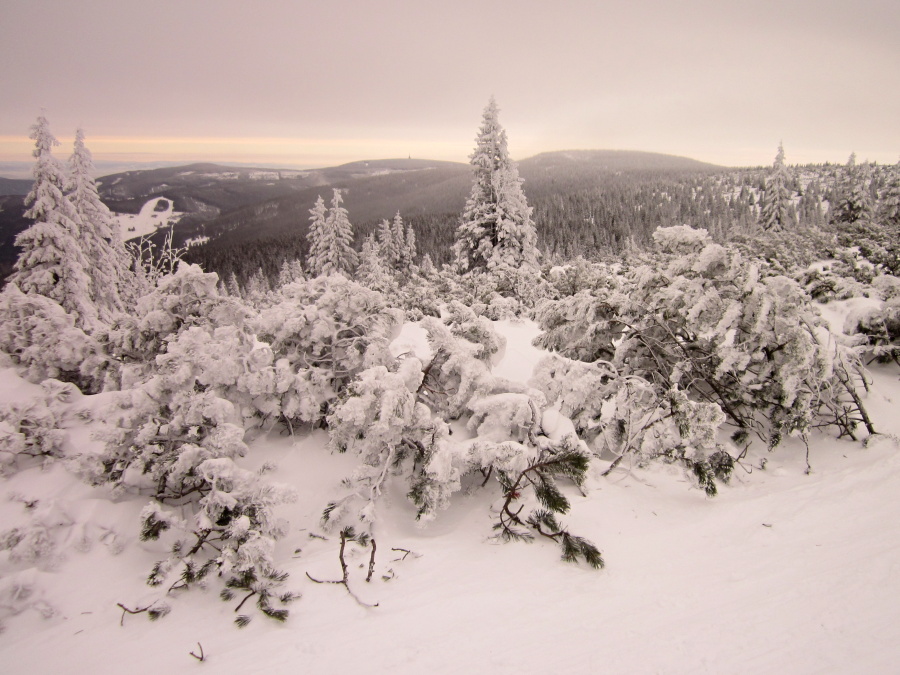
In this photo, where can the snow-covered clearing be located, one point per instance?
(148, 220)
(782, 572)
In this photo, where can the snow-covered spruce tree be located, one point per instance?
(322, 333)
(410, 252)
(388, 247)
(889, 204)
(859, 224)
(52, 262)
(109, 264)
(232, 287)
(372, 271)
(331, 240)
(315, 235)
(404, 246)
(290, 271)
(42, 337)
(853, 201)
(496, 232)
(258, 289)
(778, 211)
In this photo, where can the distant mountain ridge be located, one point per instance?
(233, 205)
(619, 160)
(15, 186)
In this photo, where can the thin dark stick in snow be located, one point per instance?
(345, 577)
(202, 656)
(806, 443)
(130, 611)
(371, 563)
(406, 552)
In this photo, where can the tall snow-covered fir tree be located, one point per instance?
(331, 240)
(495, 231)
(108, 262)
(339, 256)
(53, 262)
(316, 237)
(388, 248)
(778, 212)
(854, 202)
(889, 206)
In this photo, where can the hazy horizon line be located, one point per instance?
(14, 166)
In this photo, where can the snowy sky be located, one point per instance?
(318, 83)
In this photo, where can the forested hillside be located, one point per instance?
(590, 206)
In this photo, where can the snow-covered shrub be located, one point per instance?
(826, 282)
(174, 439)
(383, 419)
(396, 420)
(33, 429)
(157, 436)
(681, 239)
(42, 337)
(322, 333)
(874, 242)
(464, 323)
(580, 326)
(188, 297)
(20, 592)
(409, 290)
(456, 373)
(787, 251)
(230, 362)
(880, 327)
(231, 532)
(710, 325)
(38, 542)
(627, 415)
(577, 275)
(887, 286)
(28, 430)
(510, 445)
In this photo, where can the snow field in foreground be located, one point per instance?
(782, 572)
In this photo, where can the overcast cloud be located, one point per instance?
(320, 83)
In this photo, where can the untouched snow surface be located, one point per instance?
(782, 572)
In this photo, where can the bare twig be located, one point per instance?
(345, 576)
(202, 656)
(371, 563)
(406, 552)
(130, 611)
